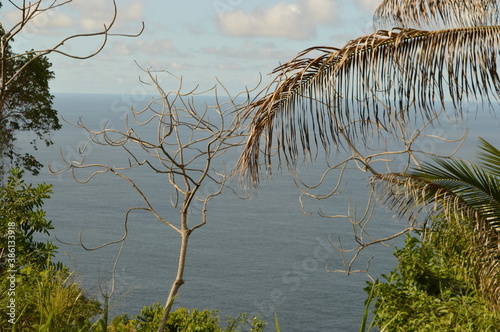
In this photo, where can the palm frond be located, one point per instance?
(373, 82)
(409, 195)
(450, 186)
(479, 189)
(489, 157)
(436, 13)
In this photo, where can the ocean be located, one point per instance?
(262, 255)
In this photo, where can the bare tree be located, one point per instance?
(187, 149)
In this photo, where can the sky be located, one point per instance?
(234, 42)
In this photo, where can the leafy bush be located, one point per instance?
(50, 300)
(21, 217)
(432, 289)
(44, 296)
(183, 320)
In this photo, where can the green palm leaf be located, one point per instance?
(479, 190)
(489, 157)
(452, 186)
(373, 82)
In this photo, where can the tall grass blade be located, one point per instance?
(363, 328)
(276, 322)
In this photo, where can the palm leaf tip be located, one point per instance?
(489, 157)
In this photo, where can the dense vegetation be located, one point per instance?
(36, 293)
(448, 276)
(434, 287)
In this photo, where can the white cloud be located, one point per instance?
(93, 14)
(154, 46)
(177, 65)
(89, 15)
(119, 47)
(250, 50)
(42, 24)
(134, 12)
(154, 64)
(287, 20)
(368, 6)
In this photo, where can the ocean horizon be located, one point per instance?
(262, 255)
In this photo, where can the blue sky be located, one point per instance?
(235, 41)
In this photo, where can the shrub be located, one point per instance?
(183, 320)
(45, 295)
(431, 289)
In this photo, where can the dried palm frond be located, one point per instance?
(437, 13)
(373, 82)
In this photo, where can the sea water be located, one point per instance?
(262, 255)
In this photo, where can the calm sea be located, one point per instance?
(260, 256)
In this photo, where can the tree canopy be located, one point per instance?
(26, 104)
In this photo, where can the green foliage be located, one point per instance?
(364, 320)
(432, 290)
(464, 198)
(26, 103)
(475, 184)
(44, 295)
(21, 218)
(276, 322)
(47, 300)
(183, 320)
(123, 324)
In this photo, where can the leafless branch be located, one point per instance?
(29, 11)
(188, 143)
(400, 148)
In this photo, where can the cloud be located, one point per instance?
(46, 23)
(119, 47)
(368, 6)
(89, 15)
(93, 14)
(177, 65)
(296, 20)
(134, 12)
(250, 50)
(154, 46)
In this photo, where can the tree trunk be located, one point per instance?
(178, 280)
